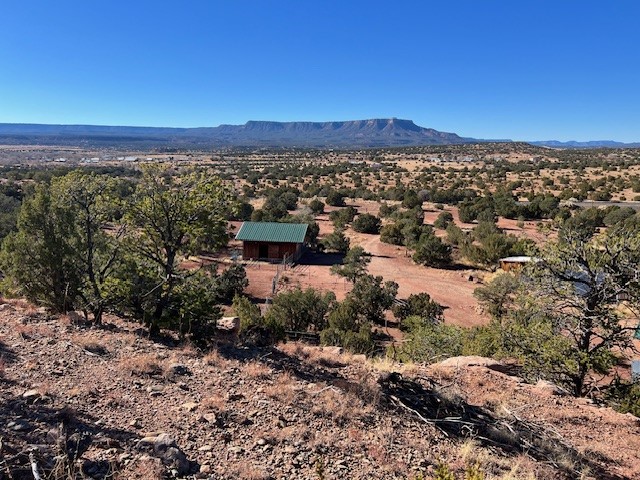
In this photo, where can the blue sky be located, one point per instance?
(536, 70)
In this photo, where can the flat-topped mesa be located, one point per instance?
(375, 132)
(371, 124)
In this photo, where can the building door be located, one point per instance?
(274, 251)
(263, 250)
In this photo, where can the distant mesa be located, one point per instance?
(377, 132)
(370, 133)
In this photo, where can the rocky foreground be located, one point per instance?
(107, 402)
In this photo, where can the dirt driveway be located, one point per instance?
(450, 288)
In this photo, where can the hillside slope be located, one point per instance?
(108, 401)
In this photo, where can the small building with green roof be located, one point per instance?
(271, 240)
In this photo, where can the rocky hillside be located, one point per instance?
(106, 402)
(349, 134)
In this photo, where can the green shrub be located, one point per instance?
(367, 223)
(426, 342)
(420, 305)
(336, 241)
(316, 206)
(299, 310)
(443, 220)
(431, 251)
(335, 199)
(624, 397)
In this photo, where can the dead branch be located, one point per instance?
(34, 467)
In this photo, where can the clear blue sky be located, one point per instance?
(536, 70)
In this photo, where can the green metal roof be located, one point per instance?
(272, 232)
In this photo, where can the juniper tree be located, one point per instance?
(172, 217)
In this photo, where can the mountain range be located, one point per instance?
(379, 132)
(348, 134)
(589, 144)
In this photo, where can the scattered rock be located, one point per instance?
(166, 448)
(547, 387)
(155, 390)
(31, 395)
(209, 418)
(190, 406)
(135, 423)
(19, 426)
(468, 361)
(75, 318)
(178, 369)
(333, 350)
(229, 324)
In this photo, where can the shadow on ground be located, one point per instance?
(55, 438)
(510, 434)
(321, 259)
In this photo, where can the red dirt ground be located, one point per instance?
(450, 288)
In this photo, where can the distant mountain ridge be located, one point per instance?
(589, 144)
(377, 132)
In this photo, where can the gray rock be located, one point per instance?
(31, 395)
(190, 406)
(175, 458)
(230, 324)
(209, 418)
(164, 446)
(178, 369)
(20, 426)
(544, 386)
(135, 423)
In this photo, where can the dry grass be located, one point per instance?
(215, 403)
(341, 407)
(45, 389)
(188, 349)
(142, 365)
(30, 330)
(19, 303)
(471, 454)
(78, 391)
(442, 374)
(215, 359)
(294, 349)
(72, 318)
(144, 468)
(90, 344)
(283, 389)
(247, 471)
(30, 365)
(515, 473)
(287, 433)
(256, 370)
(25, 331)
